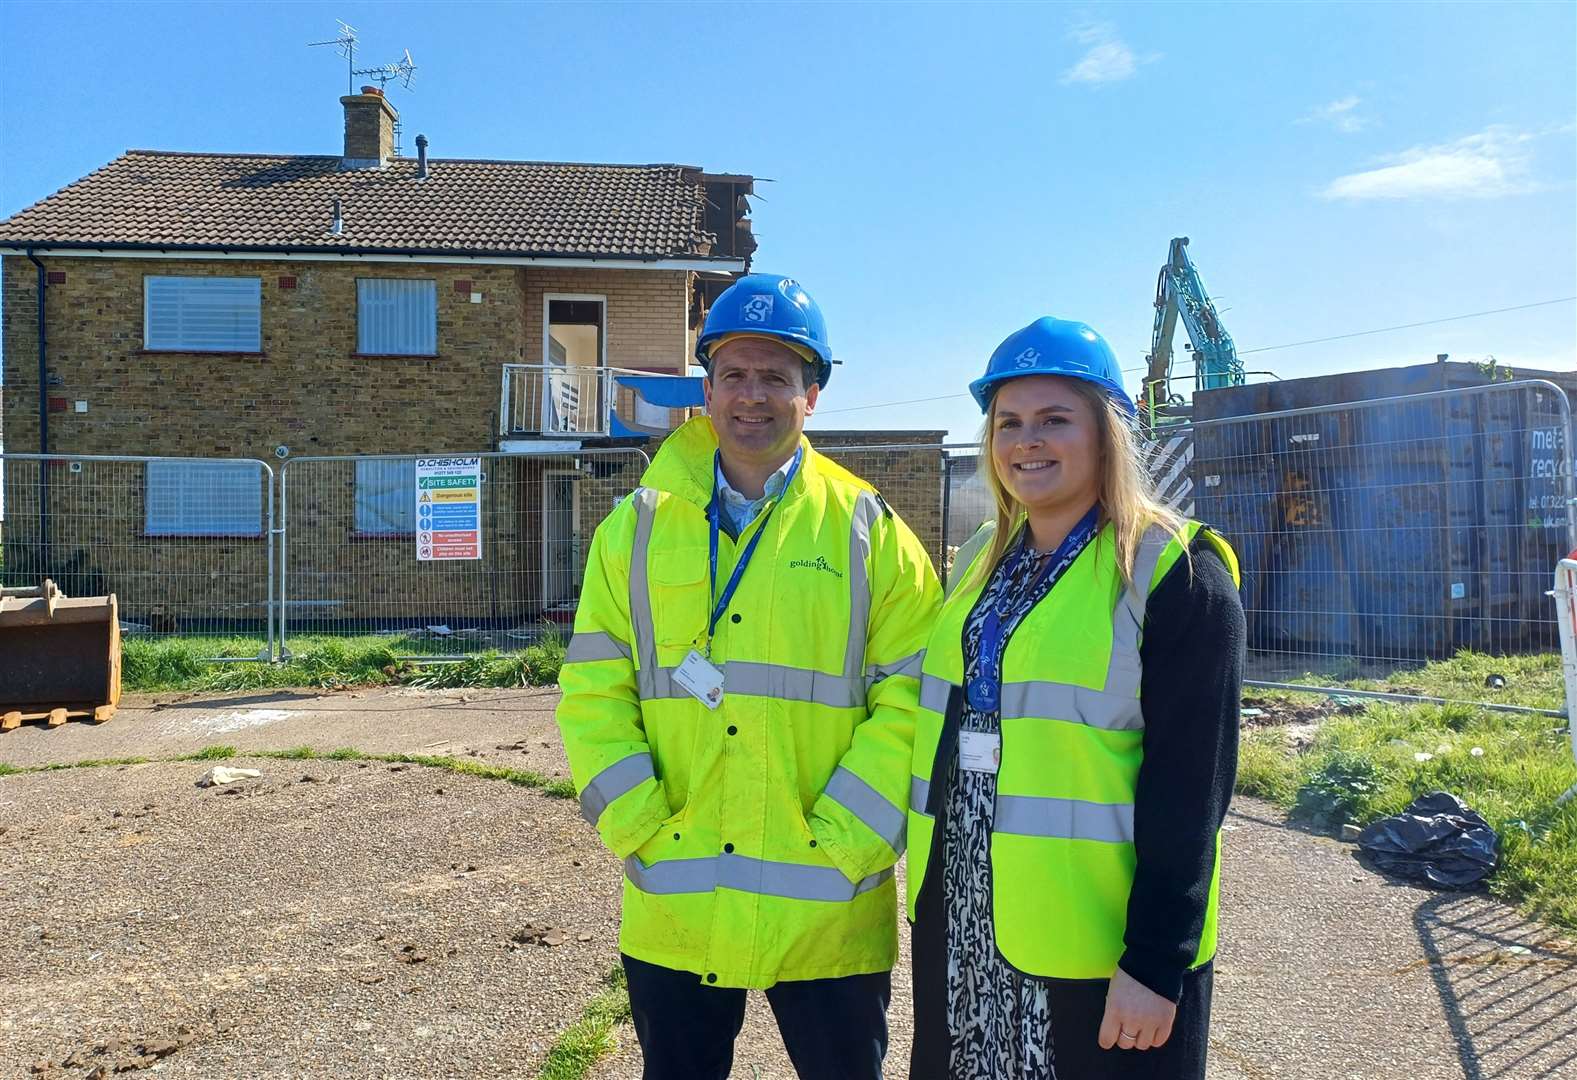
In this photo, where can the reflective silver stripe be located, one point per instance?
(673, 875)
(793, 684)
(1075, 704)
(775, 681)
(622, 776)
(1123, 671)
(870, 806)
(967, 554)
(641, 596)
(1069, 819)
(866, 511)
(792, 880)
(919, 794)
(934, 692)
(909, 665)
(593, 645)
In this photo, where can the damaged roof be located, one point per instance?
(150, 199)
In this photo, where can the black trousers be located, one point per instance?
(834, 1029)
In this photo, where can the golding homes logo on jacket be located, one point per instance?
(819, 563)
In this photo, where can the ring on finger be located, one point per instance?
(1130, 1035)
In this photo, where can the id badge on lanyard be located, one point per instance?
(980, 751)
(698, 676)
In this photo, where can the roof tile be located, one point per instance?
(159, 198)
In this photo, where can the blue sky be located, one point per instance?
(942, 174)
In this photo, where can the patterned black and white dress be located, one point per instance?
(1000, 1021)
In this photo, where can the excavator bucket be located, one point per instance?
(59, 656)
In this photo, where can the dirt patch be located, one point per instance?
(327, 919)
(1261, 712)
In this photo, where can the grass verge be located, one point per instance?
(1510, 767)
(326, 663)
(583, 1043)
(526, 778)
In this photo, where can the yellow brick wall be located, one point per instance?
(307, 390)
(647, 313)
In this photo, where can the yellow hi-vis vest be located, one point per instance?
(1062, 841)
(758, 839)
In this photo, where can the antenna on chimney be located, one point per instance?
(403, 71)
(347, 48)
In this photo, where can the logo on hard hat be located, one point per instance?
(758, 309)
(1027, 358)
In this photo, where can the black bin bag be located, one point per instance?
(1438, 840)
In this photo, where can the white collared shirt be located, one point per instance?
(742, 511)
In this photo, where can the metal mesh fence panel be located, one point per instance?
(1388, 533)
(185, 544)
(909, 477)
(967, 502)
(358, 558)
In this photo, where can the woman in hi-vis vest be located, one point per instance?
(1076, 748)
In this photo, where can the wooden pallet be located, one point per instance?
(56, 716)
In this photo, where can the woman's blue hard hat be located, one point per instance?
(1051, 346)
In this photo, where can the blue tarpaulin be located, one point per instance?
(666, 391)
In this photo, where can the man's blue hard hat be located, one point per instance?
(768, 305)
(1051, 346)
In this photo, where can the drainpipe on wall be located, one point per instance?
(43, 416)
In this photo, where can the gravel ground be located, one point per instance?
(355, 924)
(360, 923)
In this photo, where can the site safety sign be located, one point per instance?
(448, 508)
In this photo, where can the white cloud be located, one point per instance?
(1487, 165)
(1107, 58)
(1340, 114)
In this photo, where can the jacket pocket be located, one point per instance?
(679, 595)
(667, 840)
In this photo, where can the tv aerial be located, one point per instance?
(347, 48)
(402, 70)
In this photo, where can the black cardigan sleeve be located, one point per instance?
(1191, 690)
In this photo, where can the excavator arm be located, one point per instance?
(1179, 291)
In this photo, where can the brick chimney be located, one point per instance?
(369, 129)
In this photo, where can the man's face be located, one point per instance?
(758, 400)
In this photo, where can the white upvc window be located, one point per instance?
(396, 317)
(204, 498)
(202, 314)
(386, 497)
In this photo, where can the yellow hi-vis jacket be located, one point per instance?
(1062, 840)
(758, 839)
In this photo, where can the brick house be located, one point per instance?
(269, 307)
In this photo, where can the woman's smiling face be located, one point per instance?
(1045, 444)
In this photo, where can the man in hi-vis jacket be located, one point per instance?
(738, 709)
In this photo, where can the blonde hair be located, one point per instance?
(1127, 495)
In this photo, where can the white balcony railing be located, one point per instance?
(575, 401)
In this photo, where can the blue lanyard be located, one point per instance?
(985, 689)
(714, 512)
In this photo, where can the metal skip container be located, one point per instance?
(1394, 515)
(59, 656)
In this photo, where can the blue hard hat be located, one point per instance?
(1050, 346)
(773, 306)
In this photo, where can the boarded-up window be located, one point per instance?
(386, 497)
(396, 317)
(203, 314)
(204, 498)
